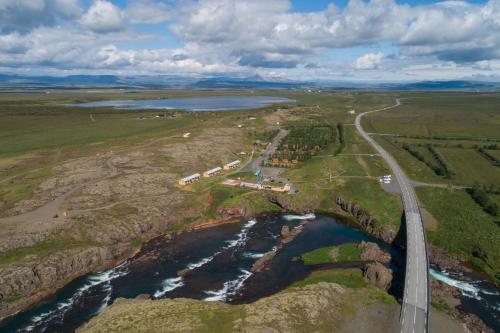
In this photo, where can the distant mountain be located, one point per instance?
(228, 83)
(9, 81)
(447, 85)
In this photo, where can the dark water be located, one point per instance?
(194, 104)
(478, 296)
(220, 258)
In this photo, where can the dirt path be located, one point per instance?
(361, 161)
(445, 186)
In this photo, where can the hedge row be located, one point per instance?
(446, 170)
(437, 137)
(442, 170)
(489, 157)
(480, 195)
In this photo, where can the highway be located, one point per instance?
(415, 302)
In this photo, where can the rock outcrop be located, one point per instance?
(22, 285)
(443, 260)
(288, 234)
(366, 221)
(451, 297)
(262, 263)
(377, 274)
(372, 252)
(475, 324)
(231, 212)
(314, 308)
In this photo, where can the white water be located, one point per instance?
(253, 255)
(202, 262)
(230, 288)
(466, 288)
(174, 283)
(92, 281)
(169, 285)
(309, 216)
(242, 235)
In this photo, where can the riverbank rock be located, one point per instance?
(366, 221)
(475, 324)
(318, 308)
(288, 234)
(231, 212)
(184, 272)
(443, 293)
(377, 274)
(262, 263)
(372, 252)
(443, 260)
(314, 308)
(36, 279)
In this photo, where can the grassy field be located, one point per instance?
(444, 114)
(355, 144)
(414, 168)
(470, 166)
(495, 153)
(350, 278)
(323, 255)
(349, 180)
(463, 229)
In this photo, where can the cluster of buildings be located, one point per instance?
(255, 186)
(209, 173)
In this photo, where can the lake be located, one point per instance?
(223, 103)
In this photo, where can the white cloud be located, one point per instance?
(266, 33)
(147, 12)
(24, 15)
(103, 17)
(369, 61)
(456, 31)
(253, 36)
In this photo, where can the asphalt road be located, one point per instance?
(255, 164)
(415, 305)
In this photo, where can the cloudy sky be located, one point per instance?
(353, 40)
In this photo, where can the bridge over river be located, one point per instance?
(414, 312)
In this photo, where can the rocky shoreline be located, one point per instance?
(51, 278)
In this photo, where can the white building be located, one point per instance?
(190, 179)
(232, 165)
(212, 172)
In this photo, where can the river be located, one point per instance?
(478, 296)
(219, 261)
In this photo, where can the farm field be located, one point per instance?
(495, 153)
(440, 114)
(470, 166)
(463, 229)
